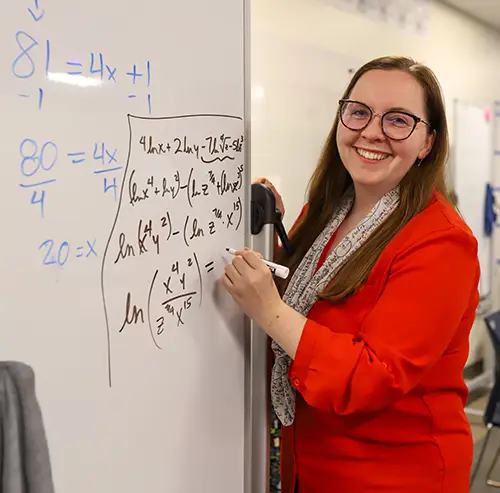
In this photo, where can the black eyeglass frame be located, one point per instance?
(415, 118)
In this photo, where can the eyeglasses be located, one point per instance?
(396, 125)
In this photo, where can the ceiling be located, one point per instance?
(487, 11)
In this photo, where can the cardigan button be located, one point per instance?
(295, 382)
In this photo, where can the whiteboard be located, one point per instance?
(472, 170)
(124, 178)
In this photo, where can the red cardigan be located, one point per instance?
(381, 394)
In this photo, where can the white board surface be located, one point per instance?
(123, 181)
(472, 170)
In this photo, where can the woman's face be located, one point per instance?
(375, 162)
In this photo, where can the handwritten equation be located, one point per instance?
(181, 204)
(59, 253)
(153, 235)
(36, 62)
(39, 163)
(35, 57)
(211, 149)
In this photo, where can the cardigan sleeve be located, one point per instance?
(277, 249)
(429, 289)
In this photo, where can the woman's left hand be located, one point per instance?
(250, 282)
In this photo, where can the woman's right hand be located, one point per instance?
(277, 196)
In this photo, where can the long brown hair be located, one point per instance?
(330, 181)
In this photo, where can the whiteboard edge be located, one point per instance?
(248, 442)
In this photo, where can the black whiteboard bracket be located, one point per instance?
(264, 212)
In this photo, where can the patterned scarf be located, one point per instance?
(305, 285)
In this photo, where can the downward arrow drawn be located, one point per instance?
(37, 14)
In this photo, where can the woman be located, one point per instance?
(370, 332)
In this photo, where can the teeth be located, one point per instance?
(371, 155)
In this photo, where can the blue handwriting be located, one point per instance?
(97, 66)
(36, 161)
(38, 13)
(24, 66)
(109, 164)
(59, 254)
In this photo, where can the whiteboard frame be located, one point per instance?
(256, 426)
(260, 480)
(247, 440)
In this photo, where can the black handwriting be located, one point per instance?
(132, 318)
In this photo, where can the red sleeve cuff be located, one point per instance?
(303, 356)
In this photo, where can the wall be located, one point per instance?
(302, 51)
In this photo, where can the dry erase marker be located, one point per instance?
(277, 269)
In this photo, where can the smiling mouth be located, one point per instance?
(371, 155)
